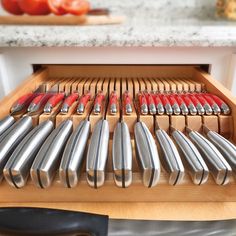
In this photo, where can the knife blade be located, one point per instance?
(122, 155)
(146, 152)
(171, 158)
(97, 154)
(73, 155)
(6, 123)
(19, 221)
(13, 137)
(47, 160)
(17, 169)
(218, 166)
(195, 164)
(227, 148)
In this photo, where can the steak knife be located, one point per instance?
(47, 160)
(122, 155)
(42, 221)
(17, 169)
(73, 155)
(146, 152)
(12, 138)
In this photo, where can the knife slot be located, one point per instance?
(178, 122)
(226, 126)
(163, 122)
(61, 117)
(194, 123)
(211, 122)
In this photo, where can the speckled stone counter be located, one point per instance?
(148, 23)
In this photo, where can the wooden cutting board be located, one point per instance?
(61, 20)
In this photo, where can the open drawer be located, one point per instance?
(81, 78)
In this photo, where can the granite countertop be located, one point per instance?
(148, 23)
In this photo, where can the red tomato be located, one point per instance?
(76, 7)
(56, 7)
(12, 7)
(34, 7)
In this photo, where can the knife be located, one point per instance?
(143, 103)
(195, 164)
(182, 105)
(151, 103)
(97, 154)
(197, 104)
(166, 103)
(174, 104)
(192, 109)
(212, 103)
(127, 103)
(6, 123)
(47, 160)
(204, 103)
(113, 103)
(122, 155)
(171, 158)
(17, 169)
(53, 101)
(73, 155)
(227, 148)
(42, 221)
(68, 102)
(159, 106)
(146, 152)
(12, 138)
(83, 102)
(219, 167)
(223, 106)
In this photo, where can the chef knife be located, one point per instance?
(12, 138)
(147, 155)
(47, 160)
(17, 169)
(42, 221)
(73, 155)
(6, 123)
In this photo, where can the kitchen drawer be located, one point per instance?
(127, 202)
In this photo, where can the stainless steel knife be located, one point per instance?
(171, 158)
(218, 166)
(97, 154)
(12, 138)
(196, 166)
(6, 123)
(122, 155)
(227, 149)
(47, 160)
(17, 169)
(42, 221)
(74, 154)
(146, 152)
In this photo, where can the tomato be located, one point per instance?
(12, 7)
(56, 7)
(34, 7)
(76, 7)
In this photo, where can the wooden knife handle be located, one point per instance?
(42, 221)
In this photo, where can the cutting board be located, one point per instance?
(61, 20)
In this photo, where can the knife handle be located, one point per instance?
(43, 221)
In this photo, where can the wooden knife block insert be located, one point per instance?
(96, 78)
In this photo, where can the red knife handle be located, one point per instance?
(201, 99)
(142, 99)
(99, 98)
(113, 98)
(84, 99)
(55, 99)
(127, 98)
(187, 100)
(217, 100)
(194, 99)
(164, 99)
(157, 99)
(23, 99)
(71, 99)
(149, 99)
(179, 100)
(209, 99)
(172, 100)
(37, 100)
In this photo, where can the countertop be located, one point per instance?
(148, 23)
